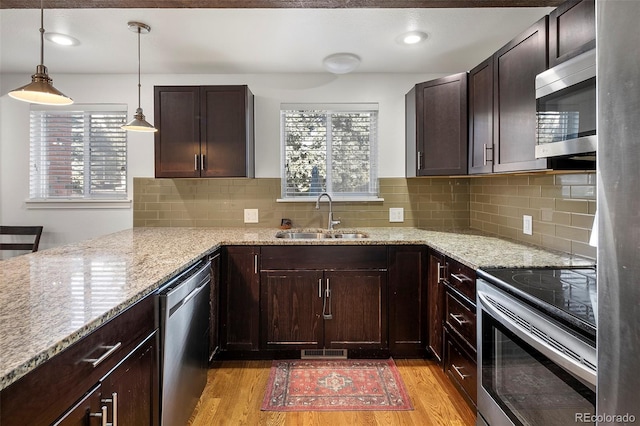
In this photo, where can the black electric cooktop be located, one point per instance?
(568, 294)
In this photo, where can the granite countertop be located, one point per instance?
(52, 298)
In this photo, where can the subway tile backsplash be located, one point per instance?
(562, 206)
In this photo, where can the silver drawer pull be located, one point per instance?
(457, 370)
(102, 414)
(114, 408)
(110, 350)
(441, 268)
(457, 319)
(461, 277)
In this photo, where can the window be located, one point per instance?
(329, 148)
(78, 152)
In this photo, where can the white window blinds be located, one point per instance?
(330, 150)
(79, 152)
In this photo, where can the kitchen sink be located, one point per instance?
(312, 235)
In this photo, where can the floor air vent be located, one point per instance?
(323, 354)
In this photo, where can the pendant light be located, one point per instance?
(41, 90)
(139, 124)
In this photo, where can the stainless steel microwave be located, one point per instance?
(566, 109)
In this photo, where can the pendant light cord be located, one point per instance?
(139, 85)
(41, 32)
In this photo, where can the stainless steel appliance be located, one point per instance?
(618, 175)
(536, 346)
(184, 341)
(566, 108)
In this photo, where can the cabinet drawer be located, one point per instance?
(324, 257)
(462, 278)
(461, 319)
(461, 368)
(46, 392)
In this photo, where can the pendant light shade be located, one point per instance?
(41, 90)
(139, 124)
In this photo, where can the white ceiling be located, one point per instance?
(232, 41)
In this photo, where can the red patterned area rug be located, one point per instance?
(335, 385)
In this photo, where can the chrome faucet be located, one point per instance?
(330, 222)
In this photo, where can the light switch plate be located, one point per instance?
(527, 225)
(396, 214)
(250, 215)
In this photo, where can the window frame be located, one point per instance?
(329, 108)
(88, 199)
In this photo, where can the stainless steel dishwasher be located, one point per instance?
(184, 326)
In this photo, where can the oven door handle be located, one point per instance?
(534, 329)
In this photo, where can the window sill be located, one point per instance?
(334, 199)
(77, 204)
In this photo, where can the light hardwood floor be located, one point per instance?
(235, 389)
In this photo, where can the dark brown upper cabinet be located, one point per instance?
(436, 127)
(481, 118)
(515, 67)
(204, 131)
(572, 30)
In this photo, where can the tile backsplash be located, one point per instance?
(561, 205)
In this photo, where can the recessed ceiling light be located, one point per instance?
(412, 37)
(61, 39)
(341, 63)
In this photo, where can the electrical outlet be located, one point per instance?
(527, 225)
(396, 214)
(250, 215)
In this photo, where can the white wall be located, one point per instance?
(65, 226)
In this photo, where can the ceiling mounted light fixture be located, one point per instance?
(62, 39)
(139, 124)
(341, 63)
(41, 90)
(412, 38)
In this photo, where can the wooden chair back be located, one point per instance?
(32, 246)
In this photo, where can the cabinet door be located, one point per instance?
(240, 293)
(515, 68)
(435, 299)
(572, 30)
(407, 301)
(441, 113)
(227, 131)
(481, 118)
(355, 313)
(86, 412)
(133, 386)
(214, 306)
(291, 311)
(177, 141)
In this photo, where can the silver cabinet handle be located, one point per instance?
(461, 277)
(456, 318)
(114, 409)
(255, 263)
(319, 287)
(202, 162)
(110, 350)
(102, 415)
(440, 268)
(195, 162)
(485, 157)
(419, 160)
(457, 370)
(326, 314)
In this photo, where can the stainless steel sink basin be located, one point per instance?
(320, 235)
(303, 235)
(351, 235)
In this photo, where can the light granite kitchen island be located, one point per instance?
(53, 298)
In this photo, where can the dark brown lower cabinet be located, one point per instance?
(119, 358)
(239, 298)
(214, 305)
(335, 298)
(408, 315)
(460, 366)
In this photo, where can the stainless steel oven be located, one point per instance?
(566, 109)
(536, 347)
